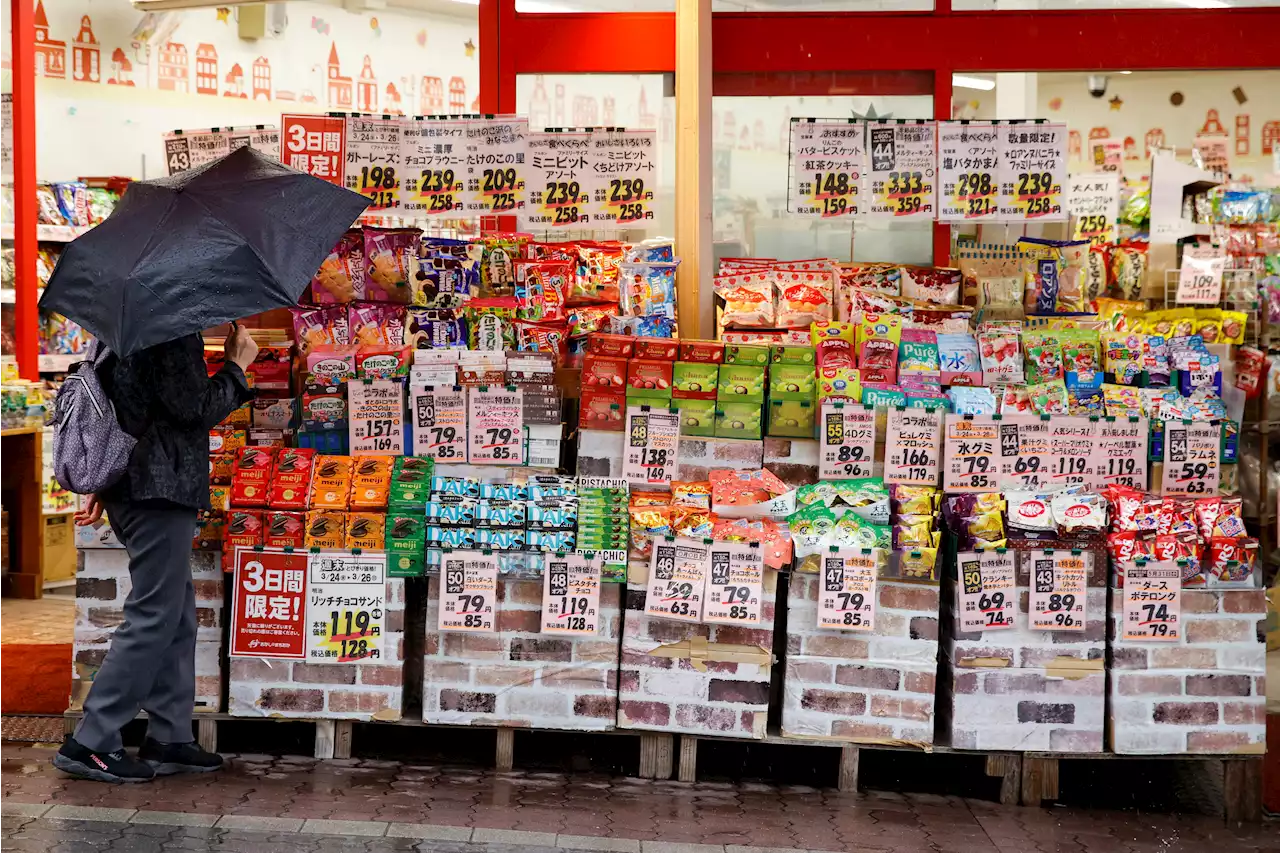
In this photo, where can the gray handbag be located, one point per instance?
(90, 449)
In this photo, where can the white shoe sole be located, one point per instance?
(172, 769)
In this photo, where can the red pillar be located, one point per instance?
(27, 318)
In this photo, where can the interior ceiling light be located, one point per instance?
(964, 82)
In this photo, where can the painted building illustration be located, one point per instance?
(609, 111)
(367, 88)
(85, 54)
(431, 96)
(262, 79)
(171, 70)
(585, 112)
(339, 89)
(235, 83)
(457, 95)
(206, 69)
(1270, 136)
(51, 56)
(121, 69)
(392, 102)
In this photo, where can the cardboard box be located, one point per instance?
(738, 420)
(602, 410)
(663, 349)
(601, 343)
(697, 417)
(792, 382)
(649, 378)
(694, 380)
(792, 418)
(703, 352)
(604, 373)
(741, 383)
(752, 354)
(59, 547)
(785, 354)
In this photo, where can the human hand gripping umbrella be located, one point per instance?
(181, 254)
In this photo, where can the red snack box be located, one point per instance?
(225, 440)
(659, 348)
(250, 484)
(703, 352)
(291, 478)
(602, 410)
(285, 529)
(604, 372)
(244, 529)
(270, 371)
(600, 343)
(649, 374)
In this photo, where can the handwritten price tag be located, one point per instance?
(376, 422)
(346, 603)
(913, 446)
(970, 451)
(677, 579)
(439, 423)
(968, 159)
(1191, 459)
(1200, 277)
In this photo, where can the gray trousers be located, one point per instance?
(151, 663)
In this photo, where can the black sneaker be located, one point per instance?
(169, 758)
(78, 760)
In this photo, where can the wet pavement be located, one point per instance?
(300, 805)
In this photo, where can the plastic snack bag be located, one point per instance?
(1048, 398)
(878, 337)
(373, 325)
(497, 263)
(833, 342)
(1044, 358)
(340, 278)
(1001, 357)
(320, 327)
(542, 290)
(803, 298)
(648, 289)
(959, 358)
(1055, 275)
(937, 285)
(748, 300)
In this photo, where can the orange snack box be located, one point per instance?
(371, 482)
(331, 482)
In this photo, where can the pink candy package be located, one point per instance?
(373, 325)
(390, 255)
(320, 327)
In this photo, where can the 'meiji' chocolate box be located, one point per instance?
(411, 484)
(406, 544)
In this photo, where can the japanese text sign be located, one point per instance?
(1033, 171)
(828, 165)
(268, 604)
(903, 170)
(1191, 463)
(623, 177)
(848, 443)
(439, 423)
(346, 606)
(1093, 201)
(496, 436)
(968, 164)
(677, 579)
(374, 161)
(913, 446)
(376, 420)
(652, 448)
(314, 144)
(560, 180)
(1058, 593)
(496, 166)
(187, 149)
(1037, 451)
(571, 595)
(735, 583)
(970, 447)
(1200, 277)
(847, 591)
(1120, 453)
(1153, 601)
(434, 161)
(468, 592)
(987, 594)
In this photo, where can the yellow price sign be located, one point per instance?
(976, 193)
(499, 188)
(564, 203)
(439, 189)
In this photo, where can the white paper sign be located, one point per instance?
(1036, 451)
(1093, 201)
(1191, 464)
(847, 597)
(677, 579)
(376, 420)
(1033, 172)
(374, 161)
(1105, 155)
(968, 169)
(560, 181)
(652, 451)
(495, 170)
(1120, 453)
(848, 445)
(439, 423)
(468, 592)
(434, 159)
(1214, 151)
(987, 597)
(571, 595)
(913, 446)
(1200, 277)
(735, 583)
(828, 163)
(623, 178)
(1058, 592)
(903, 169)
(969, 450)
(1153, 602)
(187, 149)
(262, 138)
(496, 432)
(346, 605)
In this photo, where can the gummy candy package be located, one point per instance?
(972, 401)
(918, 353)
(878, 336)
(390, 258)
(833, 342)
(1044, 358)
(1084, 393)
(1048, 398)
(1001, 357)
(959, 359)
(648, 290)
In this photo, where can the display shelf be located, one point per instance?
(49, 233)
(58, 362)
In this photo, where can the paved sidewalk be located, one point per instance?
(298, 805)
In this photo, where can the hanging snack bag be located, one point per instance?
(390, 256)
(497, 263)
(1044, 358)
(1001, 357)
(542, 289)
(878, 337)
(490, 323)
(937, 285)
(833, 343)
(748, 300)
(648, 290)
(340, 278)
(803, 298)
(1055, 275)
(320, 327)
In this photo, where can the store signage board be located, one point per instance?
(987, 596)
(269, 604)
(847, 596)
(571, 595)
(187, 149)
(1093, 201)
(439, 422)
(828, 163)
(1033, 172)
(913, 446)
(735, 584)
(623, 177)
(496, 170)
(1039, 451)
(262, 138)
(376, 420)
(651, 454)
(677, 579)
(468, 592)
(1120, 453)
(968, 164)
(1058, 593)
(346, 606)
(434, 162)
(314, 144)
(1200, 276)
(1191, 463)
(1215, 152)
(374, 162)
(560, 181)
(1105, 155)
(496, 434)
(903, 170)
(848, 445)
(970, 448)
(1153, 602)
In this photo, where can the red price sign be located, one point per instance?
(269, 604)
(315, 145)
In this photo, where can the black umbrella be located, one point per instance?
(180, 254)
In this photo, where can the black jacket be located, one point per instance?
(165, 398)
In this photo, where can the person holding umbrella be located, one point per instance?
(180, 254)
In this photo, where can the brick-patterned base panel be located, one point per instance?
(103, 583)
(600, 455)
(519, 676)
(852, 686)
(666, 694)
(338, 691)
(1205, 693)
(1026, 709)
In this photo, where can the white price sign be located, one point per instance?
(735, 583)
(987, 594)
(913, 446)
(439, 423)
(677, 579)
(1033, 171)
(434, 160)
(828, 166)
(623, 177)
(1120, 453)
(374, 161)
(495, 170)
(970, 447)
(1200, 277)
(346, 605)
(1038, 451)
(1058, 591)
(848, 448)
(468, 592)
(1191, 465)
(496, 434)
(376, 423)
(187, 149)
(571, 595)
(1153, 601)
(560, 181)
(262, 138)
(903, 170)
(968, 160)
(652, 451)
(1093, 200)
(847, 597)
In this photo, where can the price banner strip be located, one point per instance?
(652, 452)
(735, 583)
(903, 171)
(970, 448)
(1153, 602)
(187, 149)
(1191, 463)
(624, 174)
(496, 436)
(677, 579)
(269, 604)
(847, 598)
(560, 181)
(373, 162)
(346, 605)
(848, 448)
(496, 163)
(1033, 172)
(376, 420)
(987, 595)
(913, 446)
(968, 164)
(1200, 277)
(828, 161)
(1093, 201)
(1058, 593)
(315, 145)
(439, 423)
(571, 595)
(434, 163)
(468, 592)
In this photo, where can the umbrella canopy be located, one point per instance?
(235, 237)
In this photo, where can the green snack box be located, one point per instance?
(741, 383)
(406, 543)
(791, 418)
(792, 382)
(746, 354)
(697, 417)
(738, 420)
(786, 354)
(411, 483)
(694, 381)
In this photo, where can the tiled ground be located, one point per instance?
(484, 810)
